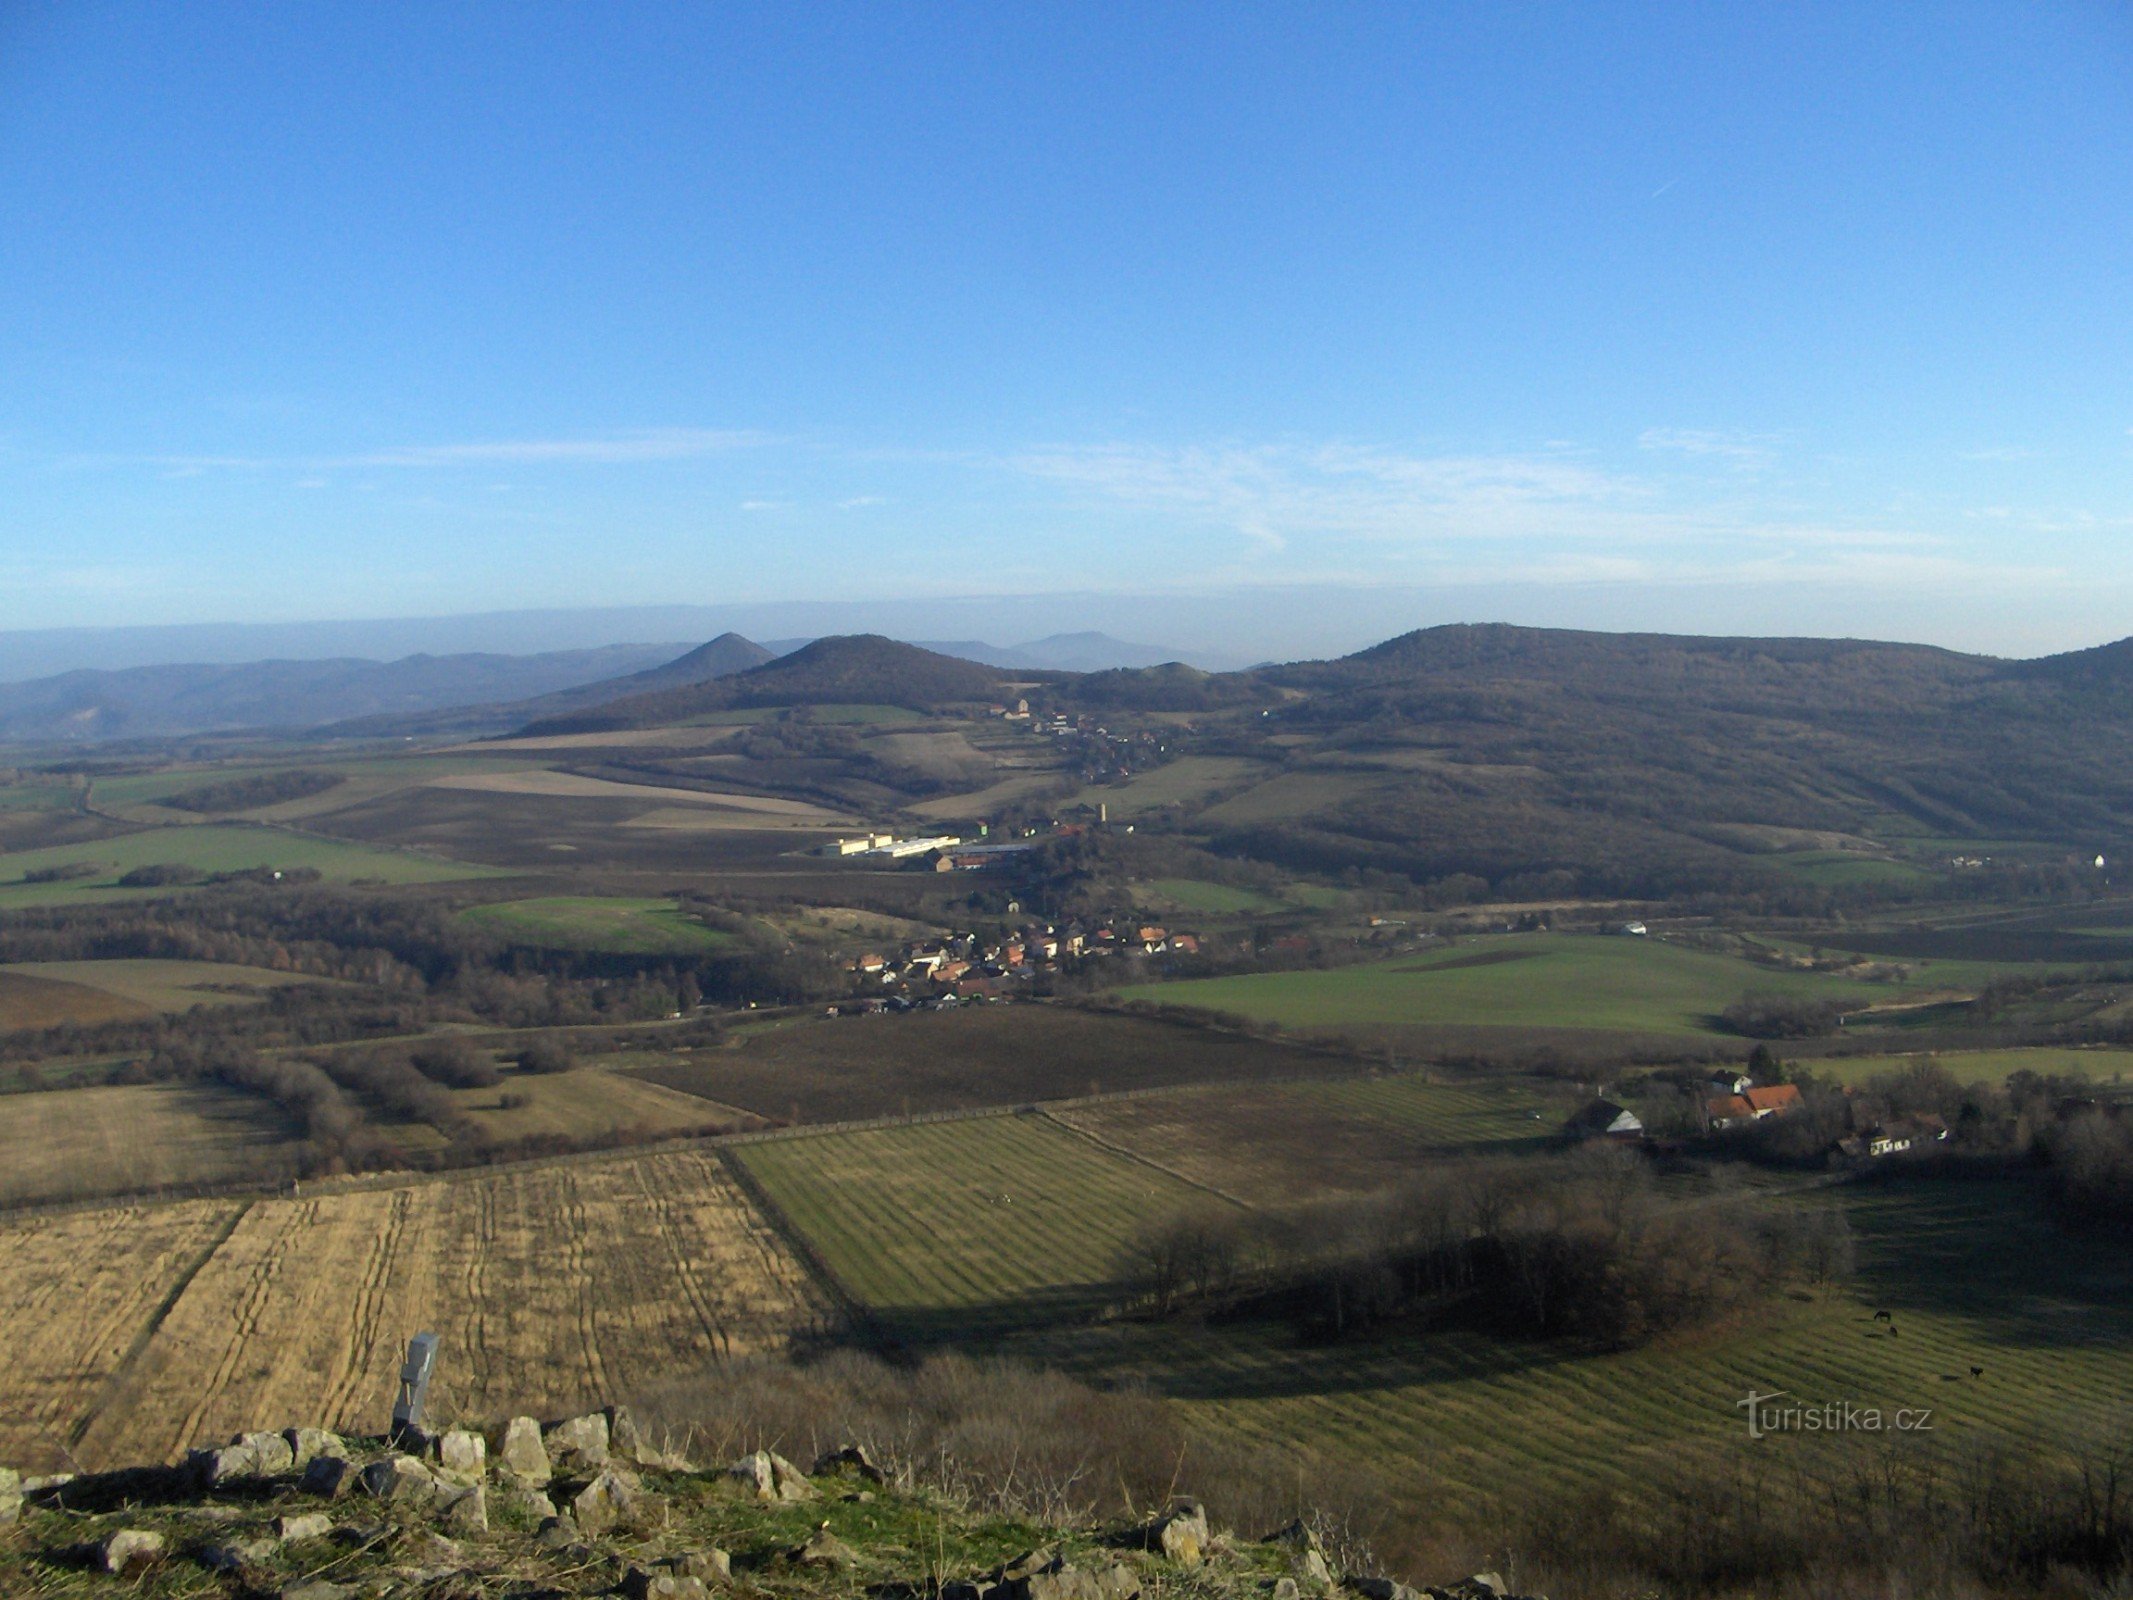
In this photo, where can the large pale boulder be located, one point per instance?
(129, 1548)
(230, 1462)
(520, 1455)
(1181, 1533)
(271, 1452)
(467, 1511)
(401, 1479)
(772, 1478)
(306, 1526)
(577, 1444)
(462, 1453)
(604, 1503)
(306, 1445)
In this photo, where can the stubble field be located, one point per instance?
(147, 1331)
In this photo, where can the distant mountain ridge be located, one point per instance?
(850, 669)
(174, 701)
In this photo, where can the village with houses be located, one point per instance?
(962, 968)
(1732, 1102)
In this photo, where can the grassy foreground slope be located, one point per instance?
(1532, 981)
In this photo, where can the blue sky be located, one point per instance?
(1791, 318)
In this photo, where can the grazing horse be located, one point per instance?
(1977, 1372)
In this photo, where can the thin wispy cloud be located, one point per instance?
(1546, 517)
(616, 449)
(1275, 494)
(1742, 450)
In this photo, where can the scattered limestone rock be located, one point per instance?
(244, 1555)
(462, 1452)
(578, 1444)
(557, 1533)
(521, 1455)
(852, 1459)
(607, 1500)
(306, 1445)
(10, 1495)
(825, 1549)
(467, 1511)
(128, 1548)
(773, 1478)
(271, 1452)
(212, 1468)
(425, 1545)
(662, 1582)
(1285, 1589)
(531, 1504)
(1487, 1583)
(329, 1477)
(400, 1478)
(707, 1566)
(1181, 1533)
(1308, 1564)
(308, 1525)
(318, 1589)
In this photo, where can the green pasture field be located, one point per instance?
(593, 922)
(1292, 795)
(1527, 980)
(1214, 899)
(1185, 782)
(211, 847)
(1985, 1066)
(940, 1228)
(36, 797)
(1973, 1274)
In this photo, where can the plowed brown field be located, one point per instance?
(550, 1286)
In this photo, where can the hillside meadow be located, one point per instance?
(616, 924)
(211, 848)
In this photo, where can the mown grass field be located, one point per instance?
(212, 847)
(73, 1144)
(954, 1227)
(1269, 1143)
(1973, 1275)
(1527, 980)
(594, 922)
(590, 1103)
(1217, 899)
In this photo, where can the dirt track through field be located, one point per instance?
(141, 1333)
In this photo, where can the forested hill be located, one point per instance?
(853, 669)
(1553, 762)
